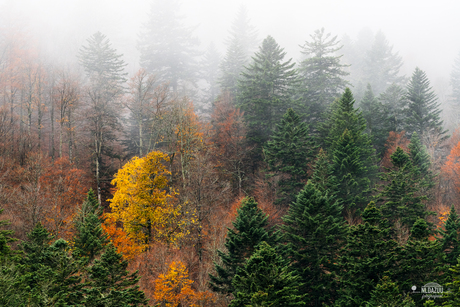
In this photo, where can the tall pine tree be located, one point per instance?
(451, 237)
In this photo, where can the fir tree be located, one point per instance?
(452, 296)
(288, 154)
(422, 162)
(368, 256)
(400, 197)
(378, 122)
(394, 102)
(321, 74)
(423, 107)
(388, 294)
(266, 280)
(322, 177)
(451, 237)
(265, 92)
(110, 284)
(89, 239)
(353, 157)
(249, 230)
(315, 229)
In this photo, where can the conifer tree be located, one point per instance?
(377, 121)
(451, 237)
(110, 283)
(353, 157)
(455, 83)
(265, 92)
(314, 229)
(288, 153)
(422, 162)
(368, 256)
(394, 102)
(321, 74)
(266, 280)
(423, 107)
(210, 73)
(452, 296)
(249, 230)
(322, 177)
(400, 197)
(89, 239)
(388, 294)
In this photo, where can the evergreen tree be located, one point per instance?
(315, 229)
(452, 296)
(451, 237)
(422, 162)
(240, 46)
(266, 280)
(388, 294)
(321, 74)
(455, 83)
(322, 176)
(265, 92)
(288, 154)
(249, 230)
(368, 256)
(423, 107)
(394, 102)
(104, 68)
(110, 283)
(167, 47)
(89, 239)
(378, 122)
(353, 157)
(48, 272)
(400, 197)
(382, 65)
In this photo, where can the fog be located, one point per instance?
(425, 33)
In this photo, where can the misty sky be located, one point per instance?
(425, 33)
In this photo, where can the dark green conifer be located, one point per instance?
(266, 280)
(422, 162)
(288, 153)
(110, 284)
(368, 256)
(322, 176)
(451, 237)
(314, 229)
(388, 294)
(249, 230)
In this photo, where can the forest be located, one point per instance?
(237, 179)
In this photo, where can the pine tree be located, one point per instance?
(315, 229)
(89, 239)
(110, 283)
(388, 294)
(321, 74)
(322, 176)
(368, 256)
(266, 280)
(422, 162)
(240, 46)
(423, 107)
(288, 153)
(48, 272)
(382, 65)
(167, 47)
(353, 157)
(452, 296)
(249, 230)
(400, 197)
(378, 122)
(265, 92)
(451, 237)
(455, 83)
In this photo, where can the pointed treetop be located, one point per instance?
(420, 230)
(399, 158)
(372, 214)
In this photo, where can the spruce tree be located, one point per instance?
(110, 284)
(455, 83)
(89, 239)
(394, 102)
(377, 120)
(168, 47)
(388, 294)
(322, 177)
(424, 113)
(368, 256)
(451, 237)
(353, 157)
(265, 92)
(288, 153)
(250, 228)
(452, 296)
(321, 74)
(266, 280)
(314, 229)
(422, 162)
(400, 196)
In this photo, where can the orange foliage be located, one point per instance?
(175, 289)
(394, 141)
(124, 244)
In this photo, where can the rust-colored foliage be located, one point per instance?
(450, 175)
(124, 244)
(175, 289)
(394, 141)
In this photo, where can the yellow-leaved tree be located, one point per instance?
(144, 203)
